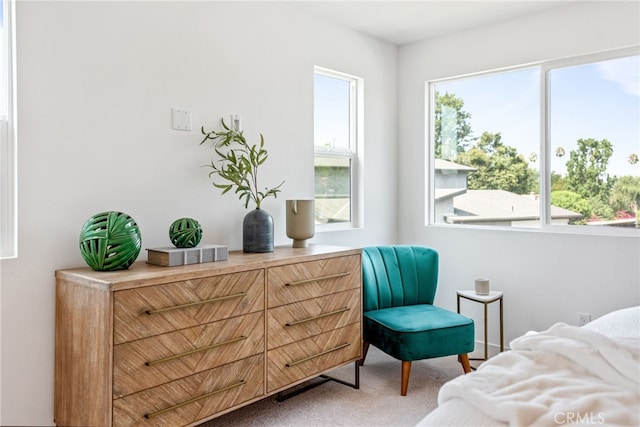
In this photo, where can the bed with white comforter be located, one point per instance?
(586, 375)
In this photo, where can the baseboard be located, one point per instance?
(492, 349)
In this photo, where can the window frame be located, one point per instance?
(545, 225)
(8, 141)
(354, 153)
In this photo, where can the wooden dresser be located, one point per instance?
(181, 345)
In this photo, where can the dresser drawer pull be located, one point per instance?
(316, 279)
(195, 399)
(290, 364)
(320, 316)
(191, 304)
(197, 350)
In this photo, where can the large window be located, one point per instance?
(8, 192)
(337, 112)
(549, 146)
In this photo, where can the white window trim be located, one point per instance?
(8, 146)
(356, 152)
(545, 184)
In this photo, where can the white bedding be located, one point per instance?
(562, 375)
(624, 323)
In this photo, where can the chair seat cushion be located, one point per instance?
(421, 331)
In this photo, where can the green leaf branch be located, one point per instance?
(237, 163)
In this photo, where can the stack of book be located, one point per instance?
(172, 256)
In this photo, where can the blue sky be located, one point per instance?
(600, 101)
(331, 111)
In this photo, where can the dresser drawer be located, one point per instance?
(297, 321)
(146, 363)
(178, 346)
(306, 280)
(192, 398)
(308, 357)
(152, 310)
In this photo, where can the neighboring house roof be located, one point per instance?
(493, 205)
(447, 165)
(332, 210)
(447, 193)
(616, 222)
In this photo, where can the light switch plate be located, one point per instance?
(181, 119)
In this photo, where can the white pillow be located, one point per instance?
(623, 323)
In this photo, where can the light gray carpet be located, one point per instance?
(376, 403)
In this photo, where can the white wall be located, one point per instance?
(546, 277)
(96, 84)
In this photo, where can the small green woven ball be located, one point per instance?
(185, 233)
(110, 241)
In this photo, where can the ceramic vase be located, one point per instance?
(257, 231)
(301, 221)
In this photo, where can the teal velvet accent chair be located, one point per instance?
(399, 318)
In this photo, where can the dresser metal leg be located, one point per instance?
(281, 396)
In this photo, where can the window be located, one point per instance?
(337, 121)
(8, 193)
(551, 146)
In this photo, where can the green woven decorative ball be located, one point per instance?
(185, 233)
(110, 241)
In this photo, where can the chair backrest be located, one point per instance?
(399, 275)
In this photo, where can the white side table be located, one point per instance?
(486, 300)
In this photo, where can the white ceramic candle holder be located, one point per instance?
(482, 286)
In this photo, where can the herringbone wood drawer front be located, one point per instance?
(297, 321)
(153, 310)
(306, 280)
(302, 359)
(192, 398)
(149, 362)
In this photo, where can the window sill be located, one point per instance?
(336, 226)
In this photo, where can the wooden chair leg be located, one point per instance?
(464, 361)
(406, 370)
(365, 349)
